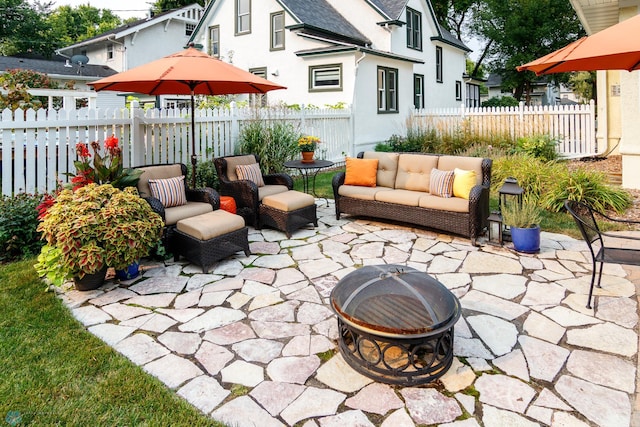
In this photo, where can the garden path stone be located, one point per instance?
(267, 316)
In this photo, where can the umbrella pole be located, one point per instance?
(193, 141)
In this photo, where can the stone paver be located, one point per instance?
(526, 350)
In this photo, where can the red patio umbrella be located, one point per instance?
(614, 48)
(189, 72)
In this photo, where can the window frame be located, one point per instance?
(273, 31)
(210, 49)
(418, 96)
(110, 51)
(238, 30)
(414, 35)
(259, 99)
(439, 73)
(387, 97)
(313, 87)
(189, 28)
(458, 90)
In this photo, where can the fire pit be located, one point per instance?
(396, 323)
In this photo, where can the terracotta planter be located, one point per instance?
(92, 281)
(307, 157)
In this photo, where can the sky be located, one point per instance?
(123, 8)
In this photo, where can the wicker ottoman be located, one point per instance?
(288, 211)
(207, 238)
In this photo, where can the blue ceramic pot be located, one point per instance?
(526, 240)
(129, 273)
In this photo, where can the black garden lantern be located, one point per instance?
(510, 192)
(495, 228)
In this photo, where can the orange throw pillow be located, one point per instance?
(361, 172)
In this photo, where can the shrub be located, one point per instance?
(501, 101)
(19, 237)
(275, 142)
(206, 175)
(587, 186)
(533, 175)
(539, 146)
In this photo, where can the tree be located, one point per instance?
(583, 83)
(164, 5)
(23, 27)
(453, 14)
(70, 25)
(520, 31)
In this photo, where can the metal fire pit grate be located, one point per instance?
(396, 323)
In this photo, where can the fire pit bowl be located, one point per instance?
(396, 323)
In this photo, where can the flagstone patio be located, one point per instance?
(253, 343)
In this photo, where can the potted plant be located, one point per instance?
(307, 145)
(524, 223)
(95, 227)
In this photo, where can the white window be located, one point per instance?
(387, 90)
(458, 90)
(109, 51)
(243, 16)
(259, 99)
(277, 31)
(438, 64)
(214, 41)
(418, 91)
(414, 29)
(325, 78)
(188, 29)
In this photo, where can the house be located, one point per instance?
(62, 71)
(618, 105)
(138, 43)
(382, 57)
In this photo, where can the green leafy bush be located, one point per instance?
(19, 237)
(501, 101)
(206, 175)
(274, 141)
(533, 175)
(539, 146)
(588, 186)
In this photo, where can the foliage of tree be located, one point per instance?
(501, 101)
(453, 14)
(70, 25)
(583, 83)
(16, 82)
(164, 5)
(521, 31)
(23, 27)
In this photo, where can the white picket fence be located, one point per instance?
(574, 126)
(48, 138)
(38, 147)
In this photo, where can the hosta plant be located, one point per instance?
(96, 226)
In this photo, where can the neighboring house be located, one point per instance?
(62, 71)
(138, 43)
(381, 57)
(472, 91)
(618, 102)
(543, 91)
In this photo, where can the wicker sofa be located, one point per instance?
(401, 192)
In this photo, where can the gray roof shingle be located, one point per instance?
(392, 8)
(59, 67)
(321, 15)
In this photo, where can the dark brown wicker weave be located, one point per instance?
(206, 252)
(205, 195)
(287, 221)
(245, 192)
(471, 224)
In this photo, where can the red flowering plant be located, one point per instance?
(106, 169)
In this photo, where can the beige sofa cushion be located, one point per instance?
(156, 172)
(414, 171)
(175, 214)
(400, 197)
(358, 192)
(449, 163)
(387, 167)
(452, 204)
(232, 162)
(270, 190)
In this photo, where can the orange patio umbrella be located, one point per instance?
(614, 48)
(189, 72)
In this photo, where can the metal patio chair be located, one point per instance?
(602, 252)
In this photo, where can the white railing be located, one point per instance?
(574, 126)
(48, 138)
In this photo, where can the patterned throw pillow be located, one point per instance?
(251, 172)
(441, 183)
(169, 191)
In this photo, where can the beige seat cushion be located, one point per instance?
(387, 167)
(270, 190)
(232, 162)
(290, 201)
(210, 225)
(358, 192)
(414, 172)
(175, 214)
(449, 163)
(400, 197)
(156, 172)
(451, 204)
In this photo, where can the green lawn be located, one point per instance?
(53, 372)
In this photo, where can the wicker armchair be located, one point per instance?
(199, 201)
(246, 193)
